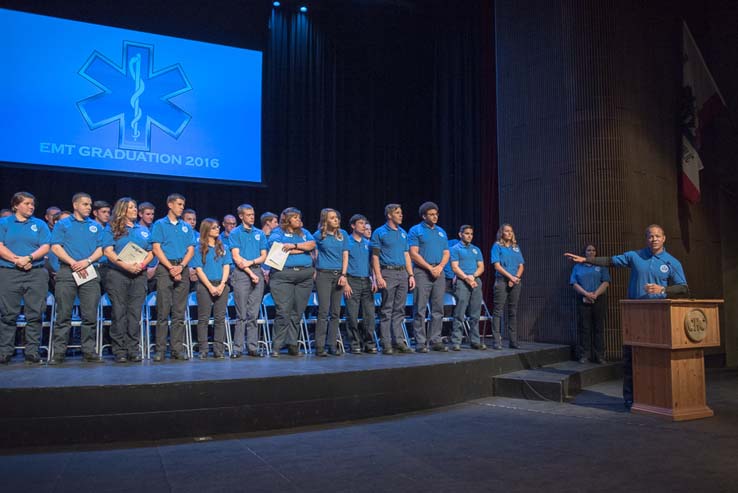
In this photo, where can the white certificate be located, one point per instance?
(276, 256)
(132, 254)
(91, 274)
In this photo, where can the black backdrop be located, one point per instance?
(364, 103)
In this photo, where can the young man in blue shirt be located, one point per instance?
(249, 248)
(429, 252)
(77, 243)
(468, 265)
(359, 289)
(173, 244)
(393, 272)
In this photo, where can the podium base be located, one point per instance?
(674, 415)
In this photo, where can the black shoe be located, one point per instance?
(57, 360)
(497, 346)
(582, 360)
(598, 359)
(628, 404)
(121, 358)
(356, 350)
(514, 345)
(32, 358)
(91, 358)
(182, 356)
(293, 350)
(218, 355)
(202, 355)
(439, 346)
(321, 353)
(254, 353)
(336, 352)
(387, 350)
(422, 349)
(371, 350)
(274, 354)
(238, 354)
(456, 347)
(479, 346)
(404, 348)
(158, 357)
(134, 358)
(4, 360)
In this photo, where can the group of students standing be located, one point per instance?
(339, 265)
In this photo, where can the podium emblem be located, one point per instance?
(695, 325)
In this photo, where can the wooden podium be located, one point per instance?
(668, 337)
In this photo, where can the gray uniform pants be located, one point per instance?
(329, 302)
(392, 310)
(361, 288)
(505, 296)
(127, 293)
(247, 297)
(89, 297)
(469, 301)
(171, 296)
(427, 288)
(205, 304)
(291, 291)
(31, 287)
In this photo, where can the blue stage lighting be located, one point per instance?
(276, 4)
(303, 9)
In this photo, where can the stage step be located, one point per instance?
(558, 382)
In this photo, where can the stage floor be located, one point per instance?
(76, 373)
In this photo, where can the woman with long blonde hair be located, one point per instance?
(332, 256)
(509, 264)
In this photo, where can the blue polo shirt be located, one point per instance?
(647, 268)
(296, 260)
(23, 237)
(137, 234)
(447, 271)
(589, 276)
(391, 243)
(79, 239)
(213, 266)
(330, 250)
(173, 238)
(467, 257)
(509, 258)
(250, 242)
(431, 242)
(106, 227)
(359, 257)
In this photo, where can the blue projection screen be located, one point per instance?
(95, 97)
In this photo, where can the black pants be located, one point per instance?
(590, 327)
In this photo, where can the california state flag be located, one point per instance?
(701, 102)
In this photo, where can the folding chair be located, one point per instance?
(103, 309)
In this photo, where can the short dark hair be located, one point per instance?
(425, 207)
(80, 195)
(188, 211)
(357, 217)
(244, 207)
(464, 227)
(175, 196)
(145, 206)
(100, 204)
(266, 217)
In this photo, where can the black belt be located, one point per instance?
(356, 277)
(18, 268)
(330, 271)
(298, 268)
(215, 281)
(255, 266)
(393, 267)
(175, 261)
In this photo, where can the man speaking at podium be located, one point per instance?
(654, 274)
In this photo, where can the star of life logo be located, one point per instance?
(134, 95)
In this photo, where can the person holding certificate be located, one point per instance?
(291, 286)
(127, 245)
(77, 243)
